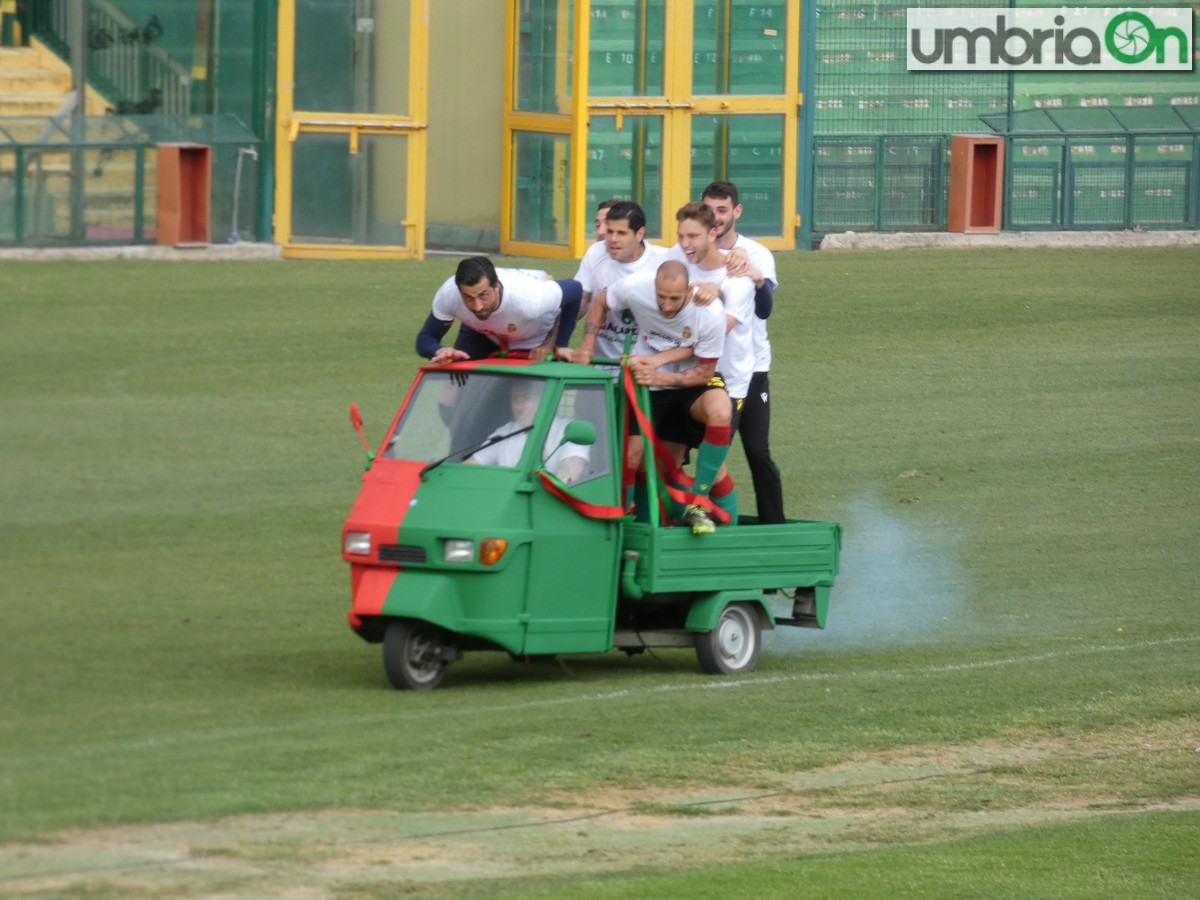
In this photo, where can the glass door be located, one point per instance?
(350, 149)
(679, 94)
(544, 130)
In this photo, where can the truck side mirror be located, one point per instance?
(579, 431)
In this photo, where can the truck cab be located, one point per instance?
(494, 517)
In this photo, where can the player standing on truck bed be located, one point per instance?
(688, 402)
(755, 423)
(501, 309)
(706, 265)
(697, 247)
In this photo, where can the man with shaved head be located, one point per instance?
(687, 398)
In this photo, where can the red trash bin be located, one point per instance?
(184, 177)
(976, 183)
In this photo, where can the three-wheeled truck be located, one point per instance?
(496, 515)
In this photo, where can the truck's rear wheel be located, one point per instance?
(733, 646)
(414, 655)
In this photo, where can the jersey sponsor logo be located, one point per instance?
(609, 328)
(662, 341)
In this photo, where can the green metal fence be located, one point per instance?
(161, 60)
(1103, 168)
(1083, 180)
(881, 182)
(92, 180)
(1108, 150)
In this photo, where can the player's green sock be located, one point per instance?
(710, 457)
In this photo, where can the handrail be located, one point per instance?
(124, 63)
(142, 77)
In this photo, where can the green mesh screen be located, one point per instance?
(1130, 158)
(863, 86)
(894, 182)
(340, 197)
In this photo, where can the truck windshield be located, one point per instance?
(459, 417)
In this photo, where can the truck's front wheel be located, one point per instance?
(414, 655)
(732, 647)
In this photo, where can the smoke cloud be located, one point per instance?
(899, 584)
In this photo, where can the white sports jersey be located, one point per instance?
(737, 362)
(587, 266)
(508, 452)
(610, 342)
(700, 327)
(528, 309)
(763, 260)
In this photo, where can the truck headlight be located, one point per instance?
(357, 543)
(458, 551)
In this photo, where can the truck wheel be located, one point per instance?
(732, 647)
(412, 655)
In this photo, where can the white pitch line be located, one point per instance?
(393, 714)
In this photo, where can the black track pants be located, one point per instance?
(755, 429)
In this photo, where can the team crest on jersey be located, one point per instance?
(687, 333)
(511, 328)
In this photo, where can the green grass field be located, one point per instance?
(1006, 701)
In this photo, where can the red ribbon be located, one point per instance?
(590, 510)
(665, 463)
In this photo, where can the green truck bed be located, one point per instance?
(797, 554)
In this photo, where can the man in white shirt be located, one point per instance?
(754, 425)
(689, 404)
(567, 462)
(697, 233)
(500, 309)
(626, 252)
(697, 247)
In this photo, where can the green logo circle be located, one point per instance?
(1131, 37)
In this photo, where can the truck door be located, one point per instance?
(574, 557)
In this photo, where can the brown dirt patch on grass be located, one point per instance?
(904, 796)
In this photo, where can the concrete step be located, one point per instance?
(18, 97)
(20, 58)
(34, 81)
(16, 103)
(34, 103)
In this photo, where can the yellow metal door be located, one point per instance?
(351, 128)
(678, 94)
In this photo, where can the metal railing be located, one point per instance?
(67, 180)
(886, 182)
(136, 75)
